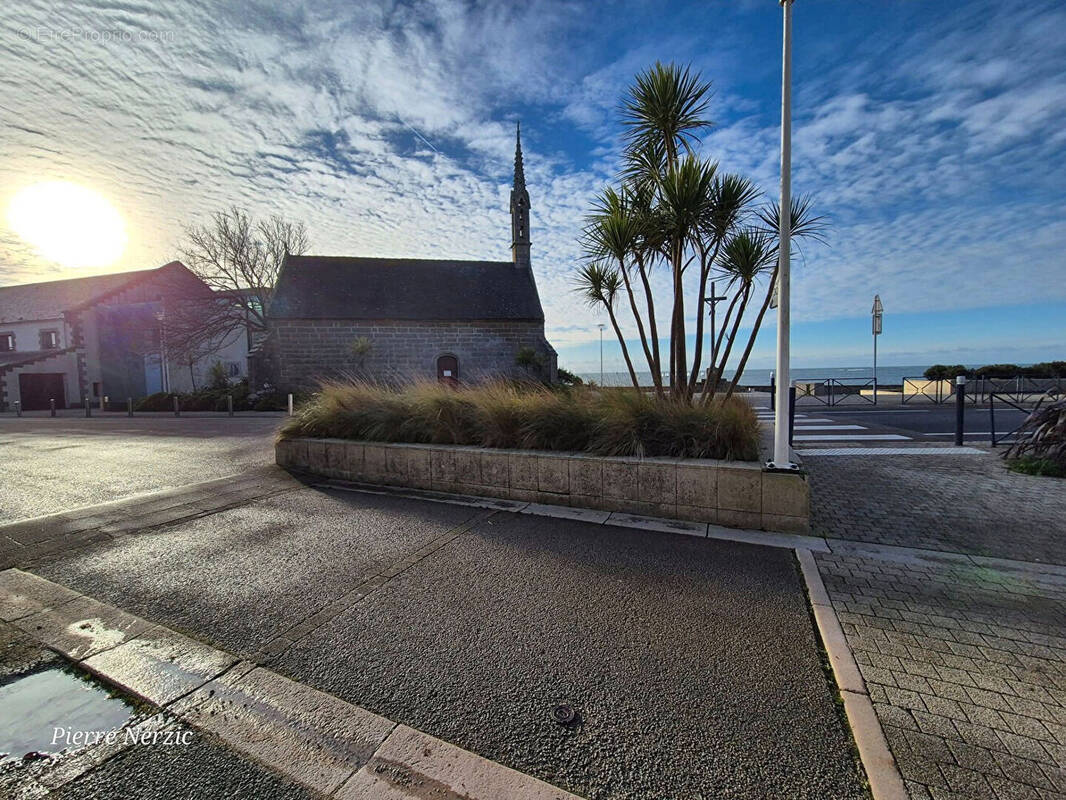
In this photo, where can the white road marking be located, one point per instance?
(854, 437)
(965, 433)
(892, 451)
(830, 428)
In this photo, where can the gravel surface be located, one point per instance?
(691, 664)
(241, 576)
(200, 770)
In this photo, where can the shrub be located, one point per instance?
(1037, 466)
(211, 399)
(509, 415)
(567, 378)
(998, 371)
(1046, 369)
(160, 401)
(941, 372)
(217, 379)
(1040, 446)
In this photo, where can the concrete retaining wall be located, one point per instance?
(731, 493)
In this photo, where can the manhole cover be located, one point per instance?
(564, 714)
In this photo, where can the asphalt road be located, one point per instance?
(52, 465)
(692, 664)
(933, 424)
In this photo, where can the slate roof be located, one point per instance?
(48, 300)
(327, 287)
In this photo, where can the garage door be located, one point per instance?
(36, 390)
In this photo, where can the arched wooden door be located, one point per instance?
(448, 370)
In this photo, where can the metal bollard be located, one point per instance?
(791, 413)
(52, 406)
(992, 418)
(290, 405)
(229, 404)
(177, 407)
(88, 406)
(18, 408)
(129, 406)
(960, 408)
(773, 393)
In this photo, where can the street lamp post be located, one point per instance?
(782, 455)
(601, 327)
(876, 312)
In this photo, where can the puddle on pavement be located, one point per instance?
(34, 706)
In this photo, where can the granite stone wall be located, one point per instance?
(301, 352)
(735, 494)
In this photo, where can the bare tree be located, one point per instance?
(240, 258)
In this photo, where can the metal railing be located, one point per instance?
(1019, 389)
(836, 391)
(1004, 399)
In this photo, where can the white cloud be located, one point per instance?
(388, 129)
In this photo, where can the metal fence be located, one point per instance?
(995, 397)
(835, 391)
(1019, 389)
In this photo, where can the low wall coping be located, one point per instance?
(740, 494)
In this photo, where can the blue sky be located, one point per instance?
(930, 133)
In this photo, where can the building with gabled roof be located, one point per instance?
(104, 335)
(400, 319)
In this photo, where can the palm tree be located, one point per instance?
(614, 232)
(599, 286)
(804, 224)
(664, 113)
(673, 208)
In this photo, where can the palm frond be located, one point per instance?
(747, 254)
(598, 284)
(803, 223)
(666, 104)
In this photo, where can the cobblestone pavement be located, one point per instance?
(964, 504)
(966, 665)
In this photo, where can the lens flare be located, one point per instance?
(69, 224)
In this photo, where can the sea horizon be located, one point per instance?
(888, 374)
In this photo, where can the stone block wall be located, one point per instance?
(301, 352)
(730, 493)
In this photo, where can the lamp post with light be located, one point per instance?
(876, 312)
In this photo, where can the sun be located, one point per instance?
(68, 223)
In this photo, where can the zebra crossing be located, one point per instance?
(810, 428)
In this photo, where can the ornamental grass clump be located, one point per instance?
(1040, 444)
(529, 416)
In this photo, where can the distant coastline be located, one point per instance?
(761, 377)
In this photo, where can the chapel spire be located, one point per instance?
(519, 208)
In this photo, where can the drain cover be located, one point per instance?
(564, 714)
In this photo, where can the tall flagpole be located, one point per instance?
(782, 459)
